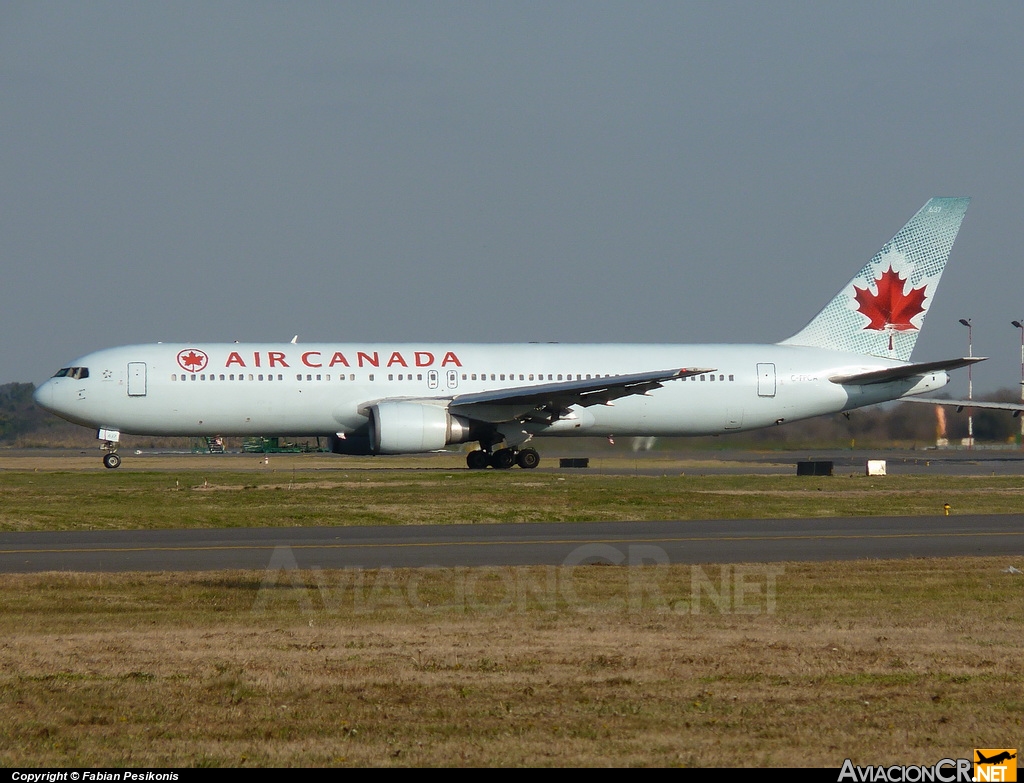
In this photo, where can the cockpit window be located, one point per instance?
(78, 373)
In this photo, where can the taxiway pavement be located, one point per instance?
(716, 541)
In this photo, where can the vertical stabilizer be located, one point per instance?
(880, 312)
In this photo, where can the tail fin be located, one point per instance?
(881, 310)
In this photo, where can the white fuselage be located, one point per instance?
(322, 389)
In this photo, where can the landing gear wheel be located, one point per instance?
(478, 460)
(503, 459)
(111, 461)
(528, 459)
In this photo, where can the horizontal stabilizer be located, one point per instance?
(905, 371)
(1016, 407)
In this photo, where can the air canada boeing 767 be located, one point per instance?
(414, 397)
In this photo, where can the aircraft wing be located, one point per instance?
(904, 371)
(1016, 407)
(549, 402)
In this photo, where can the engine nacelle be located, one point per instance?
(412, 428)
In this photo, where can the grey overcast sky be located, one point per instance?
(435, 171)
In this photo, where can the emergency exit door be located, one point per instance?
(136, 379)
(766, 380)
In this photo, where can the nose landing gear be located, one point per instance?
(110, 440)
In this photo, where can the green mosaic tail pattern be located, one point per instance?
(880, 312)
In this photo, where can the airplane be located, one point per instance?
(414, 398)
(996, 759)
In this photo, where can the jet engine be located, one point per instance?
(404, 428)
(412, 428)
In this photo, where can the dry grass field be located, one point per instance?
(881, 662)
(790, 665)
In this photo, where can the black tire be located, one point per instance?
(503, 459)
(528, 459)
(111, 461)
(478, 460)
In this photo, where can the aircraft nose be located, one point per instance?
(44, 396)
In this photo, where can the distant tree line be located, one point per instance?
(19, 414)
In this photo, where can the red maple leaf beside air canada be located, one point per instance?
(890, 308)
(193, 361)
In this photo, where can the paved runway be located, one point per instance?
(719, 541)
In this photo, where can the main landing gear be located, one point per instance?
(503, 459)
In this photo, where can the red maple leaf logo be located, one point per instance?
(192, 360)
(890, 308)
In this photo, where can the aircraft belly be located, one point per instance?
(803, 399)
(682, 411)
(687, 411)
(231, 413)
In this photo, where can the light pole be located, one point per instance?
(970, 384)
(1020, 326)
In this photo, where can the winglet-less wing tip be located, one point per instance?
(686, 372)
